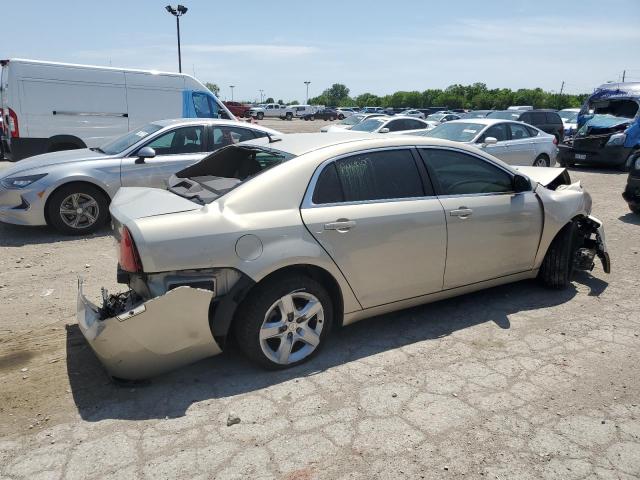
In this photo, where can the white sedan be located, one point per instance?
(413, 113)
(515, 143)
(395, 124)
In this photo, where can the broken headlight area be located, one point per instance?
(590, 242)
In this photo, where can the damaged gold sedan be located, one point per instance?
(277, 241)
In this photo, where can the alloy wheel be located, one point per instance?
(291, 328)
(79, 210)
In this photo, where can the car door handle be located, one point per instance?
(340, 225)
(462, 212)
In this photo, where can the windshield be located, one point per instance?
(506, 115)
(352, 120)
(476, 114)
(368, 125)
(120, 144)
(569, 117)
(436, 116)
(625, 108)
(223, 170)
(455, 131)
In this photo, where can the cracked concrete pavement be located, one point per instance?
(513, 382)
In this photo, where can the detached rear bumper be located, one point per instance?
(152, 337)
(616, 155)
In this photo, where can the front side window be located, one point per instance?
(204, 106)
(179, 141)
(458, 173)
(499, 131)
(518, 132)
(381, 175)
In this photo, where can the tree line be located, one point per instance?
(475, 97)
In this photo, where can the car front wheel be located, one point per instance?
(77, 209)
(284, 322)
(557, 267)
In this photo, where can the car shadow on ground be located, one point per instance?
(632, 218)
(19, 236)
(229, 374)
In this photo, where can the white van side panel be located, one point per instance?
(92, 112)
(89, 104)
(153, 97)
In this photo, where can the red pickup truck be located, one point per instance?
(240, 110)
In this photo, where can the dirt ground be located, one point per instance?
(513, 382)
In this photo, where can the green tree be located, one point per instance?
(270, 100)
(294, 102)
(215, 89)
(336, 93)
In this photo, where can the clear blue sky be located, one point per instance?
(371, 46)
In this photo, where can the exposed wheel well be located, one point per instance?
(46, 205)
(318, 274)
(64, 142)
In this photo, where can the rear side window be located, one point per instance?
(538, 118)
(203, 105)
(519, 132)
(383, 175)
(553, 117)
(498, 131)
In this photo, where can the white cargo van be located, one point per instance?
(49, 106)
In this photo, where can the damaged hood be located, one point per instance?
(132, 203)
(604, 124)
(543, 175)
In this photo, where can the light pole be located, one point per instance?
(231, 87)
(177, 12)
(307, 84)
(261, 95)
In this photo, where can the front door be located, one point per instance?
(175, 150)
(492, 231)
(381, 224)
(500, 132)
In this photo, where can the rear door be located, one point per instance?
(492, 231)
(381, 224)
(175, 149)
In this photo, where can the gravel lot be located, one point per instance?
(513, 382)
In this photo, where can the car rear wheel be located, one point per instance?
(541, 161)
(284, 322)
(557, 267)
(289, 116)
(77, 209)
(312, 118)
(626, 166)
(260, 115)
(341, 117)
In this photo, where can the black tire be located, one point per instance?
(251, 314)
(557, 267)
(260, 115)
(312, 118)
(306, 119)
(542, 158)
(626, 166)
(289, 116)
(341, 117)
(566, 163)
(85, 225)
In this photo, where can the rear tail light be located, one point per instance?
(13, 128)
(555, 140)
(129, 258)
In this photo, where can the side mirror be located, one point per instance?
(521, 184)
(384, 130)
(490, 141)
(145, 152)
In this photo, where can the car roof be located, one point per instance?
(302, 143)
(483, 120)
(211, 121)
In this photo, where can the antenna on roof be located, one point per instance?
(271, 139)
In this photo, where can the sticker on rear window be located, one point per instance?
(141, 133)
(468, 130)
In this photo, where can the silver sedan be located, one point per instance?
(279, 240)
(515, 143)
(71, 190)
